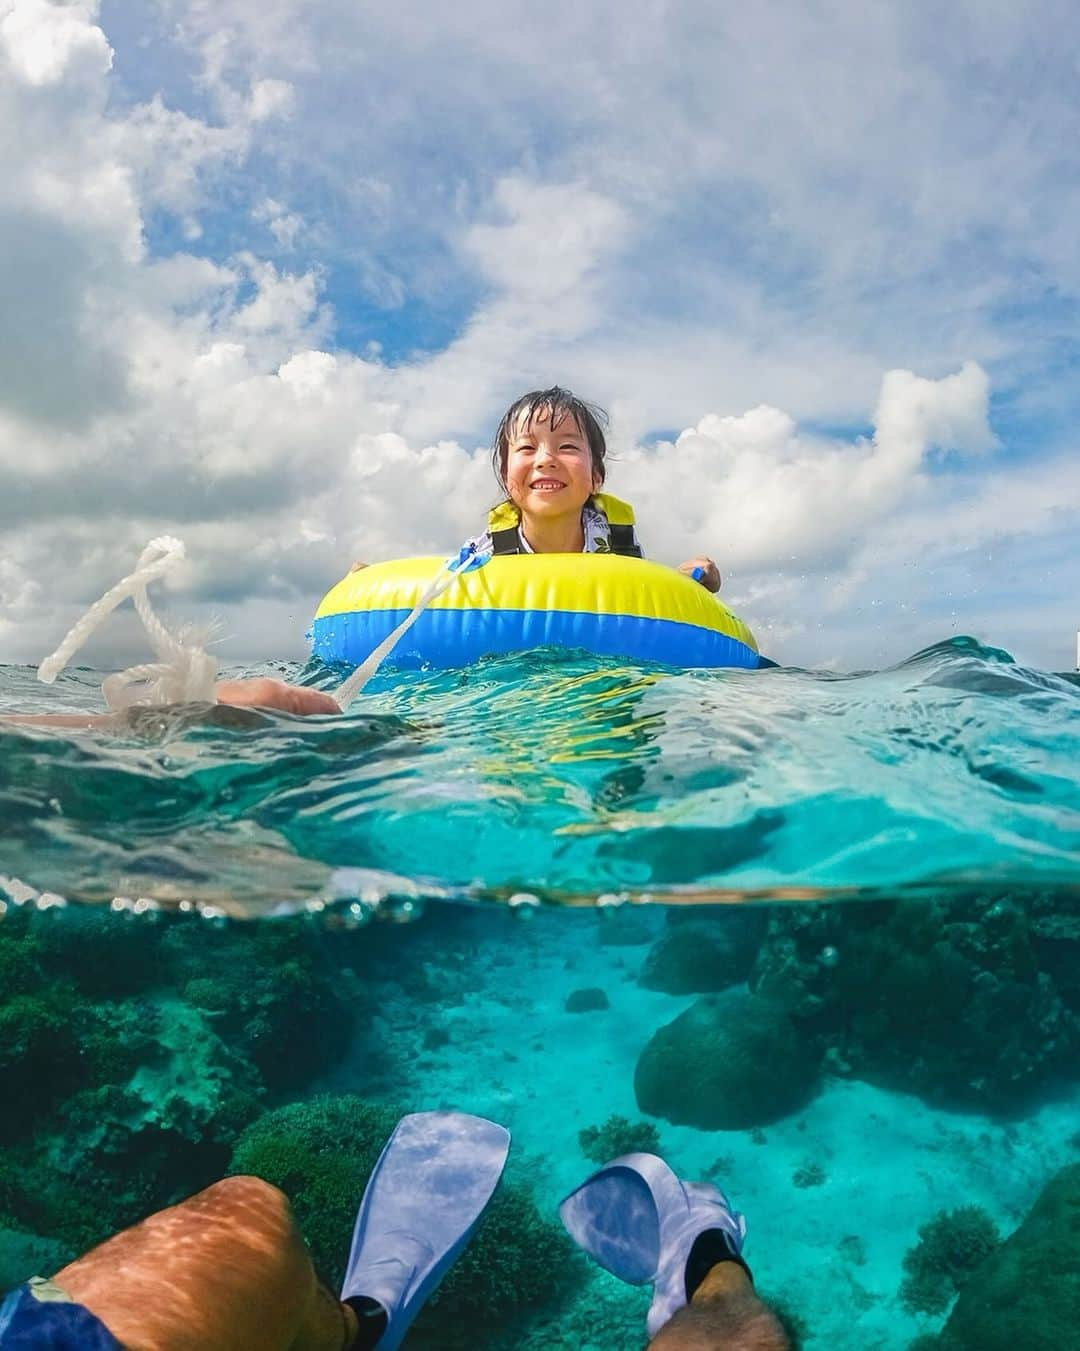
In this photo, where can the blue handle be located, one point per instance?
(697, 574)
(469, 557)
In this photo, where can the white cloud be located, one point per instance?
(47, 44)
(271, 98)
(172, 154)
(286, 226)
(914, 414)
(754, 489)
(756, 217)
(546, 259)
(548, 241)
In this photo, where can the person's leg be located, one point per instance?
(226, 1270)
(724, 1314)
(647, 1226)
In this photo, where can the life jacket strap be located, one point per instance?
(505, 519)
(621, 538)
(506, 541)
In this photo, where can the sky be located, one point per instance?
(271, 271)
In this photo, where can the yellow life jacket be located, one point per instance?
(504, 520)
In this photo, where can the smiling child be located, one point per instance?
(549, 460)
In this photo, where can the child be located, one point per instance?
(549, 460)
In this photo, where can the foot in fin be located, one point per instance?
(421, 1205)
(643, 1224)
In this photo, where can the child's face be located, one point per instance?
(549, 469)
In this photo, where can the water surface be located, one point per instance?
(239, 941)
(564, 777)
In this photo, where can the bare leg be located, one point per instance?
(225, 1270)
(724, 1315)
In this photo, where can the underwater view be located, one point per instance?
(539, 724)
(813, 938)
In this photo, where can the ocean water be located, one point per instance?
(813, 937)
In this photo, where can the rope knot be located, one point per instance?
(184, 671)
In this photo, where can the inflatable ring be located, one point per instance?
(604, 603)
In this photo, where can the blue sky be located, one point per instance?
(276, 269)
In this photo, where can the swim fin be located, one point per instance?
(640, 1222)
(436, 1174)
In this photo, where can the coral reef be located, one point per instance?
(618, 1136)
(162, 1128)
(144, 1057)
(852, 1249)
(586, 1001)
(809, 1175)
(272, 995)
(1055, 935)
(946, 999)
(604, 1314)
(143, 1097)
(704, 955)
(728, 1062)
(1027, 1291)
(320, 1153)
(23, 1255)
(38, 1053)
(518, 1262)
(950, 1247)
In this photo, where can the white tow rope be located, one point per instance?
(184, 673)
(468, 559)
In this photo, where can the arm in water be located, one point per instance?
(256, 692)
(185, 674)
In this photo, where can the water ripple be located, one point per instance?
(565, 777)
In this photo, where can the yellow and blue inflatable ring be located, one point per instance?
(604, 603)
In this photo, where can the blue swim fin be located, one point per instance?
(421, 1205)
(640, 1222)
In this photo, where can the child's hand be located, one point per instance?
(703, 570)
(263, 692)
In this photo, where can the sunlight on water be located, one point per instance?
(567, 778)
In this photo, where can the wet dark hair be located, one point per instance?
(553, 405)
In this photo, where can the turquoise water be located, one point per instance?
(566, 779)
(880, 870)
